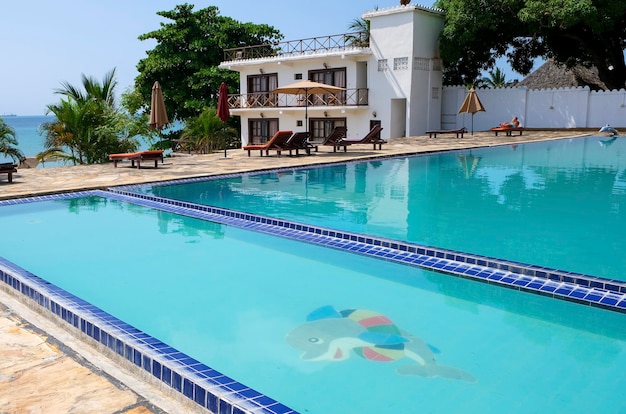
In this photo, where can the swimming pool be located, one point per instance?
(557, 204)
(258, 308)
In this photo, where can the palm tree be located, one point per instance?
(362, 27)
(496, 79)
(88, 126)
(207, 133)
(8, 142)
(94, 90)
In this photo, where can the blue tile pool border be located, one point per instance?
(198, 382)
(219, 393)
(607, 293)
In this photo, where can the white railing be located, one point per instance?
(349, 97)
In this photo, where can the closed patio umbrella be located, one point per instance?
(158, 114)
(307, 88)
(471, 105)
(223, 111)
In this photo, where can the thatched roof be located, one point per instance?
(552, 75)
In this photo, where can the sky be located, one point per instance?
(46, 43)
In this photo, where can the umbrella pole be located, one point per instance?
(306, 110)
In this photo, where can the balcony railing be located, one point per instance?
(349, 97)
(338, 42)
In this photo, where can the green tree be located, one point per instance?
(206, 133)
(88, 124)
(586, 32)
(8, 142)
(186, 58)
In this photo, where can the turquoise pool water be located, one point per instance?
(238, 301)
(558, 204)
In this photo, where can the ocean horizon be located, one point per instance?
(30, 141)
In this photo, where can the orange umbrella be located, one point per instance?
(158, 114)
(471, 105)
(223, 111)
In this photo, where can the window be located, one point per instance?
(329, 76)
(259, 88)
(382, 65)
(297, 76)
(320, 128)
(260, 130)
(421, 63)
(434, 93)
(401, 63)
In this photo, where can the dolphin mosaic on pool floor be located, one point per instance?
(56, 180)
(219, 393)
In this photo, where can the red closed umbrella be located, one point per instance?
(223, 112)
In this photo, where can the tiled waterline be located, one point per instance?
(194, 380)
(576, 287)
(219, 393)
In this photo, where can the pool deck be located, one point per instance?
(45, 369)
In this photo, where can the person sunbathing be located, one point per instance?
(514, 123)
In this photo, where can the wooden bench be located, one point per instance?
(457, 132)
(8, 171)
(508, 130)
(133, 157)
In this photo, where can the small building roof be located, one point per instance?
(553, 75)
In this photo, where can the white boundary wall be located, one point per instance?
(537, 108)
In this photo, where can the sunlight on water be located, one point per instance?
(556, 204)
(239, 301)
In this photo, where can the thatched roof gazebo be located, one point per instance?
(553, 75)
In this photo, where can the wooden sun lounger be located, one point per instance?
(8, 169)
(457, 132)
(276, 143)
(372, 137)
(336, 135)
(508, 130)
(153, 155)
(300, 141)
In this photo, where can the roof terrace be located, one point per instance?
(312, 45)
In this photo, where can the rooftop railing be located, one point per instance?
(299, 47)
(349, 97)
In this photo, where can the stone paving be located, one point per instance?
(45, 370)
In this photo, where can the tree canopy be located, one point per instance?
(585, 32)
(187, 54)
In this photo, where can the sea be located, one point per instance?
(31, 141)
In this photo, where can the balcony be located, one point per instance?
(265, 100)
(333, 43)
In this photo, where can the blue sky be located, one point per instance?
(45, 42)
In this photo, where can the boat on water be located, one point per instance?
(3, 115)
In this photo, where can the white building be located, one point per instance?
(395, 79)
